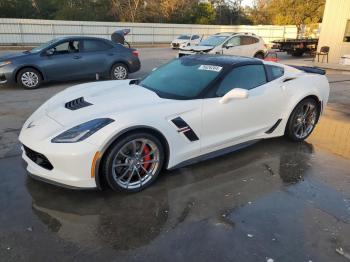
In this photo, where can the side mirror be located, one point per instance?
(228, 46)
(236, 93)
(49, 52)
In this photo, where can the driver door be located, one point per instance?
(232, 46)
(241, 119)
(62, 61)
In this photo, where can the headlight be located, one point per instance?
(82, 131)
(5, 63)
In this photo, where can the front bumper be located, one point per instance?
(7, 75)
(66, 164)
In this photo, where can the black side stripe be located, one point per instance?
(185, 129)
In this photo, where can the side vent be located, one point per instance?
(77, 104)
(273, 128)
(184, 128)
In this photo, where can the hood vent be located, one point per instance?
(77, 104)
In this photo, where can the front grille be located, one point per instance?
(38, 158)
(176, 45)
(77, 104)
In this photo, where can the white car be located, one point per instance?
(185, 40)
(193, 108)
(238, 44)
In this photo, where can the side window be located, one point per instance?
(95, 45)
(246, 77)
(234, 41)
(249, 40)
(274, 72)
(66, 48)
(194, 37)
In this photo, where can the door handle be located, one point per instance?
(76, 57)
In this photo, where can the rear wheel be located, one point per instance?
(259, 56)
(119, 71)
(29, 78)
(303, 119)
(134, 162)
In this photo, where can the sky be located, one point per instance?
(247, 2)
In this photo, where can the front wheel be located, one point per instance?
(119, 72)
(134, 162)
(29, 78)
(303, 119)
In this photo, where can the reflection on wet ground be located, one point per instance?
(276, 199)
(333, 133)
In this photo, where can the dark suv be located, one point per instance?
(69, 58)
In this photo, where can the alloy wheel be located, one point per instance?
(120, 72)
(305, 120)
(135, 163)
(29, 79)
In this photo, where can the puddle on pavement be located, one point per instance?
(333, 134)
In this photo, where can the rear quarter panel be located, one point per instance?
(302, 86)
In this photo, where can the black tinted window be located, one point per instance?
(95, 45)
(274, 72)
(249, 40)
(246, 77)
(181, 78)
(195, 37)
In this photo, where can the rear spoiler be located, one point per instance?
(309, 69)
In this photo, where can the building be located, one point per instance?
(335, 31)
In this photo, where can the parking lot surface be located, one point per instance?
(274, 200)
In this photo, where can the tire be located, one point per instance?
(29, 78)
(119, 71)
(259, 56)
(297, 53)
(301, 122)
(130, 170)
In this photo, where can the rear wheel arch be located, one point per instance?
(260, 54)
(99, 176)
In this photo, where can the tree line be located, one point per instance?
(223, 12)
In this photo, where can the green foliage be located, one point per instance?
(203, 13)
(296, 12)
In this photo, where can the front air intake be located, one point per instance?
(77, 104)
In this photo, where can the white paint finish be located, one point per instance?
(217, 125)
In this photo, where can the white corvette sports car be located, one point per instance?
(195, 107)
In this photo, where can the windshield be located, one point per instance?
(43, 46)
(213, 40)
(184, 37)
(181, 78)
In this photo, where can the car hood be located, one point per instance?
(106, 98)
(11, 56)
(180, 41)
(197, 48)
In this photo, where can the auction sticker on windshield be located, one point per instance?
(210, 68)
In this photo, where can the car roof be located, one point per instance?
(78, 37)
(223, 60)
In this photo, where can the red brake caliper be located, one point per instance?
(146, 158)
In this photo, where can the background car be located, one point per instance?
(188, 110)
(185, 40)
(68, 58)
(240, 44)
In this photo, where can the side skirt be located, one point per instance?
(214, 154)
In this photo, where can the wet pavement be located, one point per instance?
(273, 200)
